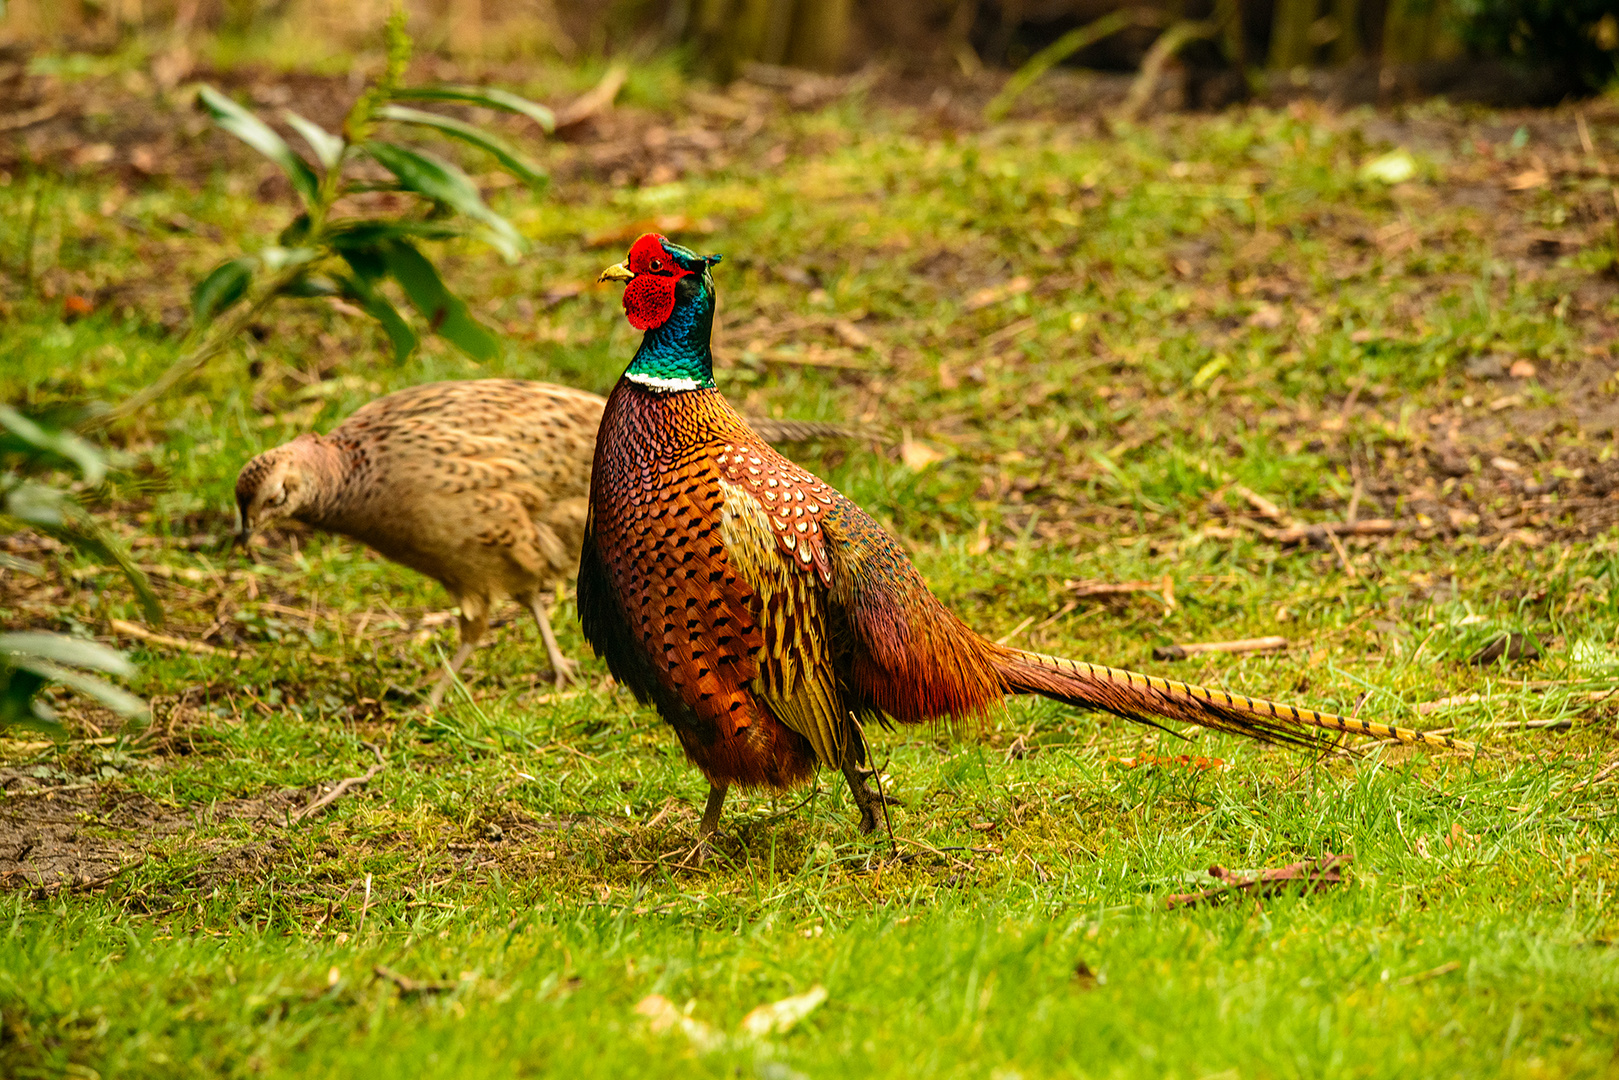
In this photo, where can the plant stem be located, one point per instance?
(29, 235)
(215, 340)
(1060, 50)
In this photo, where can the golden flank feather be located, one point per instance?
(796, 676)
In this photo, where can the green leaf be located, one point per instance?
(224, 285)
(485, 96)
(17, 705)
(119, 701)
(275, 257)
(261, 137)
(21, 565)
(53, 513)
(65, 650)
(502, 152)
(359, 290)
(328, 148)
(37, 505)
(28, 436)
(439, 180)
(446, 313)
(296, 232)
(29, 660)
(308, 286)
(362, 233)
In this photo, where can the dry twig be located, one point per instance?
(1247, 645)
(135, 630)
(342, 787)
(1308, 876)
(598, 98)
(408, 985)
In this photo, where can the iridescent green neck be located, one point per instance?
(676, 355)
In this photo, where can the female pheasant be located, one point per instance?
(479, 484)
(764, 614)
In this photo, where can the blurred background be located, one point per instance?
(1494, 51)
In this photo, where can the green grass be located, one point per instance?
(1212, 302)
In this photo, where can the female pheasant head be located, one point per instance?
(669, 293)
(290, 481)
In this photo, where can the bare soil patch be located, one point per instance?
(82, 836)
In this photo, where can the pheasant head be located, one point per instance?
(669, 294)
(288, 481)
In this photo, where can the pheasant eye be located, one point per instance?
(655, 265)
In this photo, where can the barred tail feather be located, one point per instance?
(789, 431)
(1151, 700)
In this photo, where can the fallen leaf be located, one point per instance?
(562, 290)
(1505, 464)
(1394, 167)
(75, 306)
(1267, 317)
(1460, 837)
(1304, 877)
(1508, 402)
(1426, 707)
(1528, 180)
(850, 334)
(662, 1017)
(1182, 761)
(778, 1017)
(1510, 646)
(995, 294)
(918, 455)
(1522, 369)
(94, 154)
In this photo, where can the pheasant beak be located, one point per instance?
(616, 272)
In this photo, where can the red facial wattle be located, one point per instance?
(649, 297)
(649, 300)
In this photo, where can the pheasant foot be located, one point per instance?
(865, 799)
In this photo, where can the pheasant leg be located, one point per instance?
(566, 670)
(711, 823)
(711, 811)
(865, 798)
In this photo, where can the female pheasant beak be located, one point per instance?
(617, 272)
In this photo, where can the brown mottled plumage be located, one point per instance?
(480, 484)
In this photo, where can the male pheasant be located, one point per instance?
(764, 614)
(479, 484)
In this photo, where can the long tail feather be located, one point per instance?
(1151, 700)
(775, 431)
